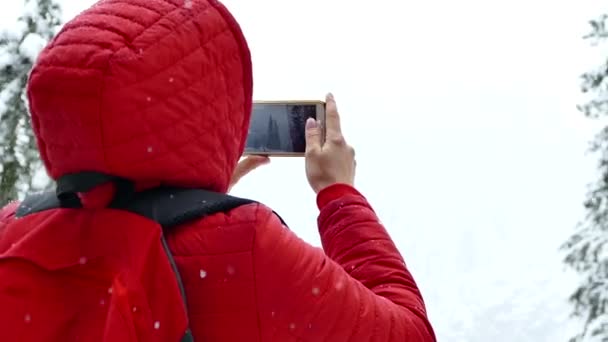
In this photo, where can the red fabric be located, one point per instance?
(160, 92)
(86, 275)
(334, 192)
(146, 90)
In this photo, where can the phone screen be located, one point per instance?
(279, 128)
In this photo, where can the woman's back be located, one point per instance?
(249, 278)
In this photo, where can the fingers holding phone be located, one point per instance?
(332, 120)
(245, 166)
(333, 161)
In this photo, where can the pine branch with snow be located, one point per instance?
(588, 247)
(20, 166)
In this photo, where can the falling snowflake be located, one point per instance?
(150, 149)
(82, 260)
(27, 318)
(203, 274)
(315, 291)
(231, 270)
(292, 326)
(157, 325)
(188, 4)
(110, 290)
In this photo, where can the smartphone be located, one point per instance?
(278, 128)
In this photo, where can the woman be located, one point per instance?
(160, 93)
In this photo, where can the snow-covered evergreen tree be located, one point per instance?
(20, 166)
(588, 248)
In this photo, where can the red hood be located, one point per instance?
(153, 91)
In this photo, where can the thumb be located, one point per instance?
(313, 135)
(247, 165)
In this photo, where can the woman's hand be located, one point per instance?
(245, 166)
(334, 161)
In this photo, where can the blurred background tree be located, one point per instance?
(587, 248)
(20, 167)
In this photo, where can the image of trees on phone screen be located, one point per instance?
(279, 128)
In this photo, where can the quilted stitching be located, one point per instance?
(148, 90)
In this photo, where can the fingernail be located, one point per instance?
(330, 96)
(311, 123)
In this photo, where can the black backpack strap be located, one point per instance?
(171, 207)
(70, 185)
(35, 203)
(168, 206)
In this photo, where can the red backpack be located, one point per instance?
(105, 274)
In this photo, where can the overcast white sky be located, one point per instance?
(468, 141)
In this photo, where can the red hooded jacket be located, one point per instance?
(160, 92)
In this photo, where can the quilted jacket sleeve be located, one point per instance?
(358, 289)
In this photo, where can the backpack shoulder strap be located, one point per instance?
(35, 203)
(171, 207)
(168, 206)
